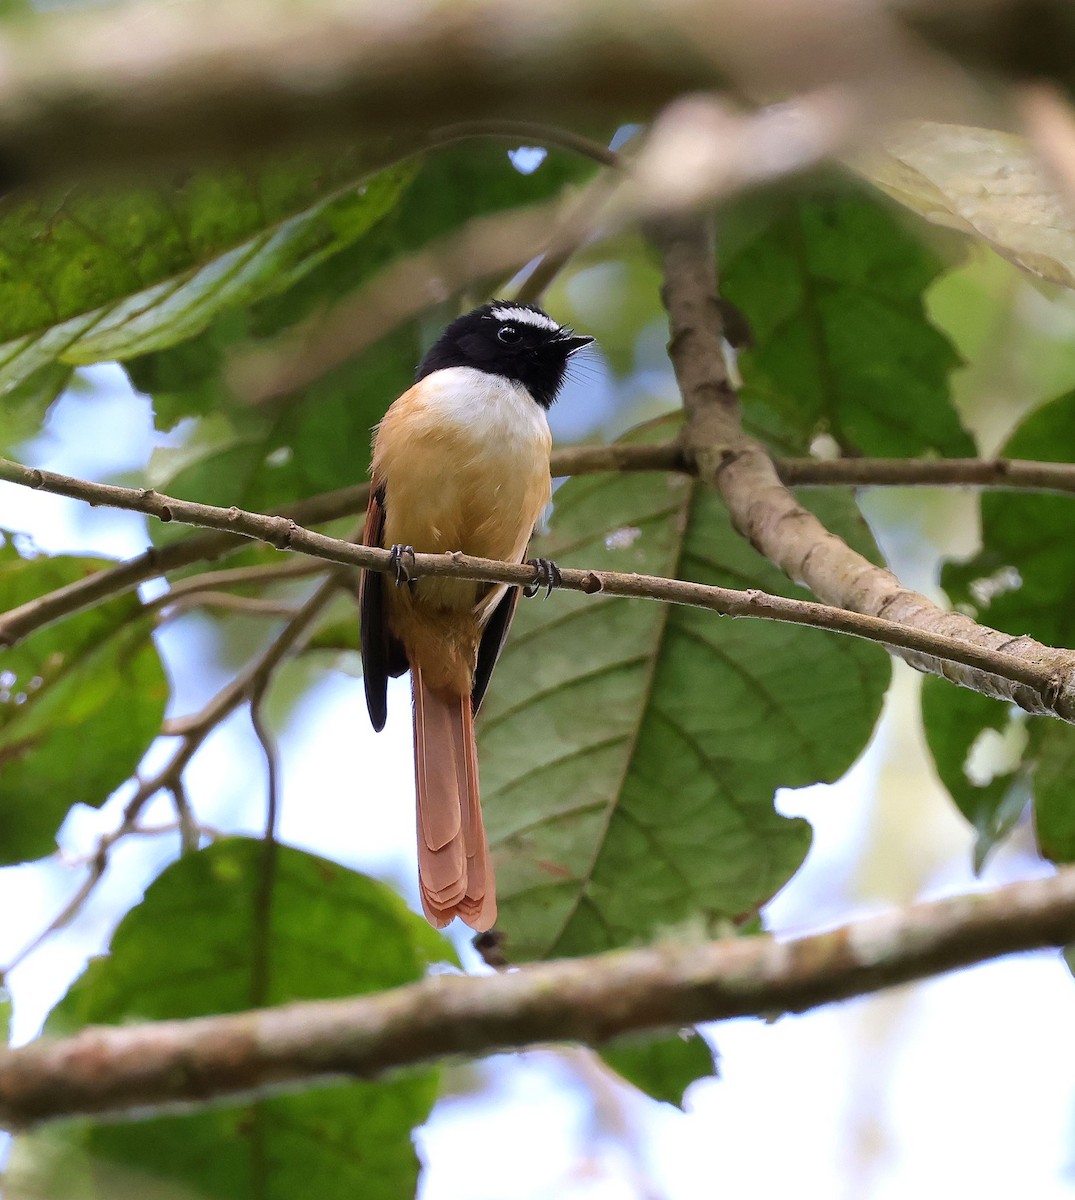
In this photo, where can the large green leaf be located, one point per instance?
(93, 275)
(321, 440)
(206, 940)
(630, 750)
(448, 188)
(832, 288)
(1022, 580)
(79, 704)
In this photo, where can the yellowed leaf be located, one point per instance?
(984, 183)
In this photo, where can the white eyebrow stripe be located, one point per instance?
(526, 316)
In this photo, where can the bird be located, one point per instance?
(460, 463)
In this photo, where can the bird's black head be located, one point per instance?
(518, 341)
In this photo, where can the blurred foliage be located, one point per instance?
(982, 182)
(630, 752)
(89, 275)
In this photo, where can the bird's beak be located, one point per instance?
(571, 344)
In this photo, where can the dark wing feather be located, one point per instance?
(382, 654)
(494, 636)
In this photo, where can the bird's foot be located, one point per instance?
(401, 560)
(548, 577)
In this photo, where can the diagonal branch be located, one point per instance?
(136, 1071)
(768, 515)
(1048, 688)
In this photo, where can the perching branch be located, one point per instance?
(137, 1071)
(1000, 473)
(1051, 689)
(769, 516)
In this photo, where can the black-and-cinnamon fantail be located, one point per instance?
(460, 462)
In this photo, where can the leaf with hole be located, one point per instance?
(963, 727)
(630, 750)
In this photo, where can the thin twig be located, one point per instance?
(530, 133)
(140, 1070)
(283, 572)
(1004, 474)
(189, 830)
(256, 676)
(253, 606)
(72, 598)
(577, 223)
(193, 731)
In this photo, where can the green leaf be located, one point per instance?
(1022, 578)
(22, 413)
(80, 704)
(1053, 751)
(94, 275)
(321, 440)
(662, 1067)
(630, 750)
(1020, 581)
(832, 288)
(339, 634)
(205, 940)
(956, 722)
(448, 188)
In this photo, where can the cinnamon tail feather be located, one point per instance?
(455, 877)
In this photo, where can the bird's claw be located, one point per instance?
(401, 560)
(548, 577)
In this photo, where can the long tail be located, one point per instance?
(455, 876)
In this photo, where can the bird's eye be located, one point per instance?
(508, 334)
